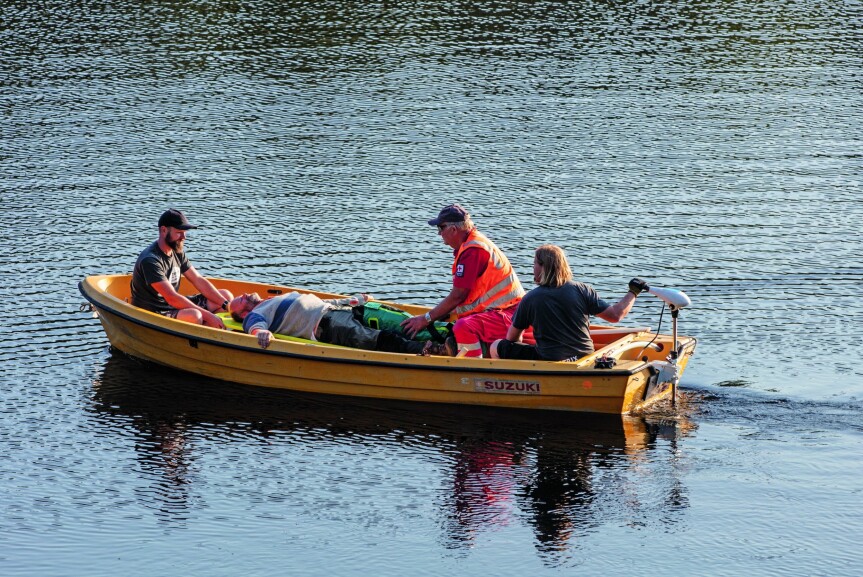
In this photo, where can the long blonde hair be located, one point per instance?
(555, 269)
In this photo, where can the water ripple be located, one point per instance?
(710, 146)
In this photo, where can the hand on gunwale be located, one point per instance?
(264, 338)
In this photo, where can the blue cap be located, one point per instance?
(449, 214)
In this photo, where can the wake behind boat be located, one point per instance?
(631, 367)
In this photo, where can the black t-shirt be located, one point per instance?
(560, 318)
(153, 266)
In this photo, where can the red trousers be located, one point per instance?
(487, 326)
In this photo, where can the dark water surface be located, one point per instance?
(710, 146)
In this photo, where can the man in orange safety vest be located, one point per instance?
(486, 290)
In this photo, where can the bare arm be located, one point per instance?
(204, 286)
(180, 302)
(357, 299)
(415, 324)
(172, 297)
(618, 311)
(513, 334)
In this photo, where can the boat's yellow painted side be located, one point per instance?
(313, 367)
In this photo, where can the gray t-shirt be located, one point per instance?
(153, 266)
(560, 318)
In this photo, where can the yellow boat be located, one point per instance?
(642, 366)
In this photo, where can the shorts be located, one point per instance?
(198, 300)
(517, 351)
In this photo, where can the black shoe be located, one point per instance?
(450, 346)
(438, 349)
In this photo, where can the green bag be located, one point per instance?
(384, 317)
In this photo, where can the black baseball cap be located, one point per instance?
(175, 218)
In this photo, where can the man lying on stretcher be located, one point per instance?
(328, 321)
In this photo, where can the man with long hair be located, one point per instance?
(559, 311)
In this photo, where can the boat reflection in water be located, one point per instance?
(566, 480)
(561, 474)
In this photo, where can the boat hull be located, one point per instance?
(317, 368)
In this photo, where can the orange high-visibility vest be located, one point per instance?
(497, 288)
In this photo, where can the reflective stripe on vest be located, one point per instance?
(468, 347)
(497, 288)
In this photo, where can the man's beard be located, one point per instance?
(176, 245)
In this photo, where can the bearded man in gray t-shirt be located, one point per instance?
(157, 272)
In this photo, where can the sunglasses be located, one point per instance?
(442, 227)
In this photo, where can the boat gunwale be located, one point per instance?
(558, 372)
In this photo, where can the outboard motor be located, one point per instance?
(675, 300)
